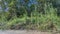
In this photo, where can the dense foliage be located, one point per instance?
(30, 14)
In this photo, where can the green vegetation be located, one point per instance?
(41, 16)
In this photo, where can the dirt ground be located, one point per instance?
(24, 32)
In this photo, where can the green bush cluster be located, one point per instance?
(17, 18)
(37, 21)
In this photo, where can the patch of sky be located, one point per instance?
(32, 2)
(0, 0)
(6, 9)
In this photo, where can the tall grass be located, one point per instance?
(37, 21)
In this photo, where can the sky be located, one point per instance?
(0, 0)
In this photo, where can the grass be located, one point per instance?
(33, 22)
(37, 21)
